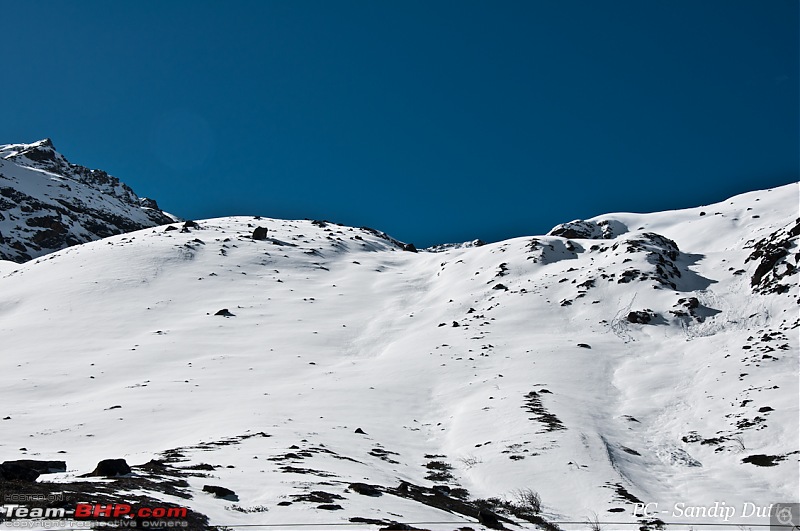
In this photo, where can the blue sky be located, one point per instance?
(431, 120)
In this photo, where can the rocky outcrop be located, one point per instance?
(777, 257)
(605, 229)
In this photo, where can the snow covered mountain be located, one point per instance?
(325, 375)
(48, 203)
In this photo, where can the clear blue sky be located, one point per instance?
(432, 120)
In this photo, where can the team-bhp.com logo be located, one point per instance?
(123, 510)
(124, 514)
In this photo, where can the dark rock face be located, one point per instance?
(364, 489)
(224, 313)
(111, 467)
(641, 316)
(12, 471)
(146, 202)
(45, 212)
(775, 266)
(42, 467)
(260, 233)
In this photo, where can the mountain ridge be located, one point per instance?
(658, 365)
(48, 203)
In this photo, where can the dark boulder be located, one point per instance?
(220, 492)
(110, 468)
(763, 460)
(364, 489)
(225, 313)
(260, 233)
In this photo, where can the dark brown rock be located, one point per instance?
(260, 233)
(220, 492)
(111, 467)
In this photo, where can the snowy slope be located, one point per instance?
(48, 203)
(527, 363)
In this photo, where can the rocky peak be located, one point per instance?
(48, 203)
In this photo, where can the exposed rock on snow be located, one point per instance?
(260, 233)
(220, 492)
(110, 468)
(777, 256)
(589, 230)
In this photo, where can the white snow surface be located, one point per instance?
(335, 328)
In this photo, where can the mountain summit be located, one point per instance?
(47, 203)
